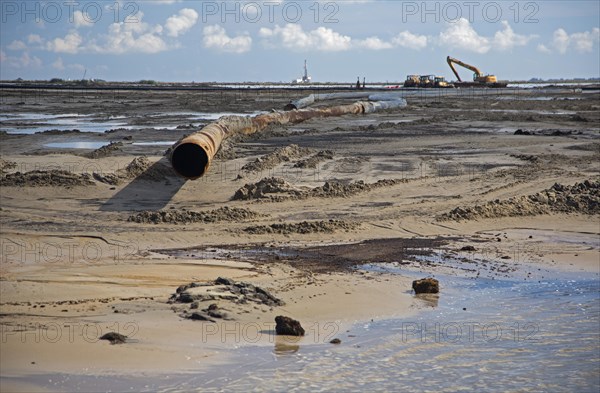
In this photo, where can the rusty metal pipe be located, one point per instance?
(191, 157)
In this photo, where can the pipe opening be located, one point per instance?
(189, 160)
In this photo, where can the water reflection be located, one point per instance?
(428, 299)
(286, 345)
(76, 145)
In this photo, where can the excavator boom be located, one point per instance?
(475, 70)
(478, 76)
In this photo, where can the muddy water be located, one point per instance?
(31, 123)
(478, 335)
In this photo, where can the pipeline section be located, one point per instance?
(311, 99)
(191, 157)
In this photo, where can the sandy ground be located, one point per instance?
(76, 264)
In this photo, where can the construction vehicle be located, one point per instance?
(426, 81)
(412, 81)
(479, 79)
(440, 82)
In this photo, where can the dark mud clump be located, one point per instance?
(271, 160)
(303, 227)
(583, 198)
(187, 217)
(105, 151)
(139, 167)
(277, 189)
(426, 285)
(286, 326)
(114, 338)
(53, 178)
(314, 160)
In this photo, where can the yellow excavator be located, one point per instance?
(478, 78)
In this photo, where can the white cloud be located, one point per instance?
(77, 67)
(560, 40)
(181, 22)
(133, 35)
(81, 19)
(58, 64)
(580, 42)
(543, 48)
(374, 43)
(17, 45)
(3, 56)
(130, 36)
(460, 35)
(23, 61)
(71, 43)
(32, 61)
(409, 40)
(292, 36)
(584, 42)
(215, 37)
(507, 38)
(34, 39)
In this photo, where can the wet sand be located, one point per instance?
(76, 263)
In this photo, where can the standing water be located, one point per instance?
(483, 335)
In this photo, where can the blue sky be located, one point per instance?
(237, 41)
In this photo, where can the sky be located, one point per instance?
(268, 41)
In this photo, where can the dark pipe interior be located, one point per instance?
(189, 160)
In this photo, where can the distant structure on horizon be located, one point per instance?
(305, 78)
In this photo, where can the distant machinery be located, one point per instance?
(305, 78)
(426, 81)
(479, 79)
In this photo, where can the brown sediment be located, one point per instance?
(277, 189)
(583, 198)
(225, 213)
(271, 160)
(74, 253)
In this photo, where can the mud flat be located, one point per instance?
(333, 219)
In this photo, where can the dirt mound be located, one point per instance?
(277, 189)
(271, 160)
(583, 198)
(270, 187)
(314, 160)
(337, 189)
(303, 227)
(138, 166)
(105, 151)
(4, 165)
(141, 168)
(226, 151)
(54, 178)
(224, 289)
(187, 217)
(220, 299)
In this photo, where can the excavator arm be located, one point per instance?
(475, 70)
